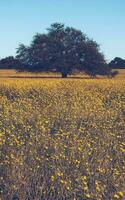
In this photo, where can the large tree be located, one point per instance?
(62, 49)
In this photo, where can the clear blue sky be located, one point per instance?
(102, 20)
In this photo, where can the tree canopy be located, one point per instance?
(62, 49)
(117, 63)
(10, 63)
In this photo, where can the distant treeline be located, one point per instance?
(64, 50)
(117, 63)
(12, 62)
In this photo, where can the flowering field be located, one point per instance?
(62, 139)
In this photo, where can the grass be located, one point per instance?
(62, 139)
(15, 74)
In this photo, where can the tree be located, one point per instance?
(95, 63)
(117, 63)
(62, 49)
(10, 63)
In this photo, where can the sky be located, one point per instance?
(101, 20)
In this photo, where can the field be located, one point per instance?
(15, 74)
(62, 139)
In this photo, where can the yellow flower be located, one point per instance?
(88, 195)
(116, 196)
(121, 194)
(52, 178)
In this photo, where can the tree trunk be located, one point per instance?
(64, 75)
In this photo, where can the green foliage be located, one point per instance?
(10, 63)
(63, 49)
(117, 63)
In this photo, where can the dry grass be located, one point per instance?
(62, 139)
(14, 73)
(121, 74)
